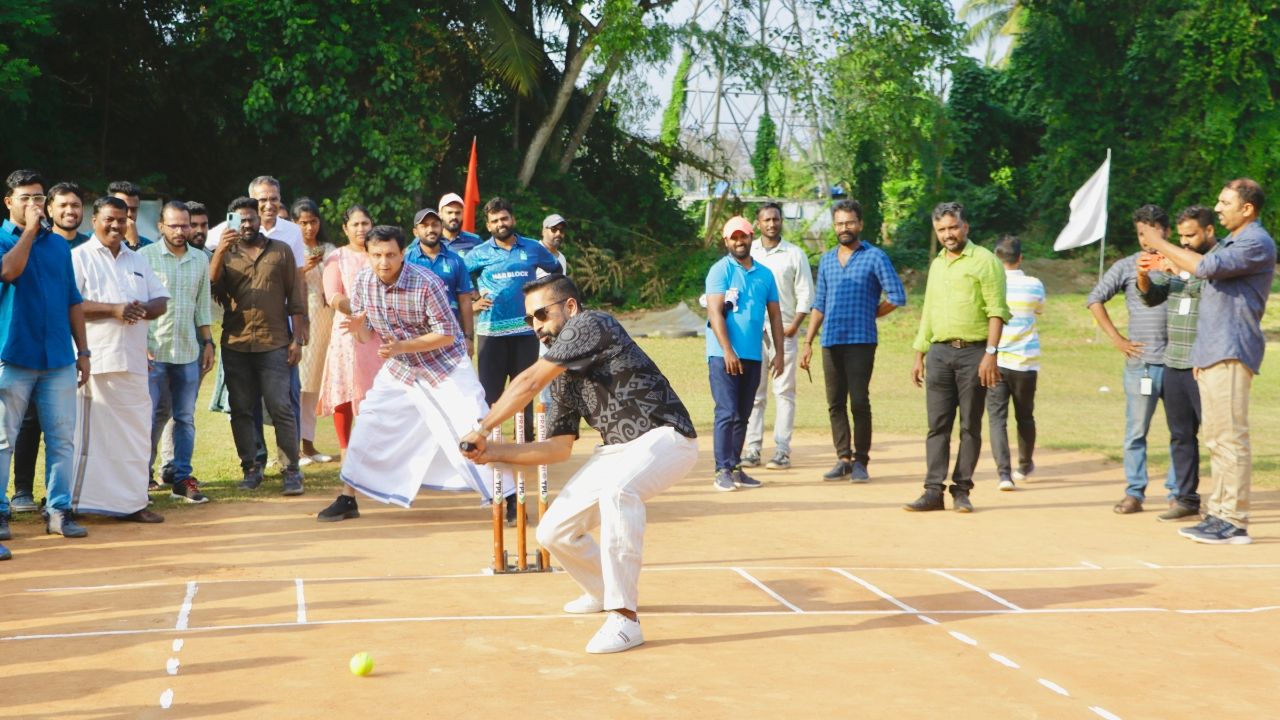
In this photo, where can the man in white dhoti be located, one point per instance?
(113, 426)
(598, 373)
(426, 396)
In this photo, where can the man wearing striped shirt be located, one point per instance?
(1018, 358)
(1143, 352)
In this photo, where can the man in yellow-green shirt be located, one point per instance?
(964, 313)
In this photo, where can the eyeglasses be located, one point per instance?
(850, 224)
(34, 199)
(541, 313)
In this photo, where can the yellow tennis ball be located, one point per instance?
(361, 664)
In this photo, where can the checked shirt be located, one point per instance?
(415, 305)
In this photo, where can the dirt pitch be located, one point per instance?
(802, 599)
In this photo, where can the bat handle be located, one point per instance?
(467, 446)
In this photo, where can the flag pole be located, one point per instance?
(1102, 247)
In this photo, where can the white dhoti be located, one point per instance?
(610, 490)
(112, 445)
(406, 437)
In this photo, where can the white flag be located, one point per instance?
(1088, 221)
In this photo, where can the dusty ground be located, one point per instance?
(801, 599)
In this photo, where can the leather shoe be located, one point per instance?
(929, 500)
(960, 502)
(144, 516)
(1128, 506)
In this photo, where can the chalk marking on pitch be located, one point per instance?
(1090, 565)
(1103, 713)
(1055, 687)
(877, 591)
(184, 614)
(769, 591)
(74, 588)
(302, 602)
(985, 593)
(1151, 565)
(962, 637)
(166, 698)
(1004, 661)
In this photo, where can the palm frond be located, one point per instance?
(512, 54)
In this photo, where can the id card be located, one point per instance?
(1184, 306)
(1145, 386)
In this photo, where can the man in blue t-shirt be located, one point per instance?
(447, 265)
(455, 238)
(739, 294)
(505, 343)
(40, 311)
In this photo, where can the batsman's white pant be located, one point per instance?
(610, 490)
(784, 391)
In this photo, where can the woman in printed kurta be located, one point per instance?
(311, 370)
(349, 366)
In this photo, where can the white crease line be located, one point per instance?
(171, 666)
(985, 593)
(1055, 687)
(184, 615)
(166, 698)
(754, 581)
(1242, 611)
(1103, 713)
(78, 588)
(962, 637)
(877, 591)
(1150, 565)
(1004, 661)
(302, 602)
(177, 645)
(1091, 566)
(927, 619)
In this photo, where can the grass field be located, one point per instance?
(1072, 413)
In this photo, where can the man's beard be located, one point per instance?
(68, 228)
(847, 238)
(504, 234)
(453, 226)
(197, 241)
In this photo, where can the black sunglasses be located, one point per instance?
(541, 313)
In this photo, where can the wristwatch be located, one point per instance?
(206, 341)
(991, 349)
(84, 353)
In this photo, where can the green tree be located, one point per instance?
(764, 160)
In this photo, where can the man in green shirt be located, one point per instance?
(964, 313)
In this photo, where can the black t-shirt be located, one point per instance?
(609, 381)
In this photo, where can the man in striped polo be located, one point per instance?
(1018, 358)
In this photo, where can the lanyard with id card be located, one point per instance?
(1145, 385)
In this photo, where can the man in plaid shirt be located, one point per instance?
(425, 398)
(1160, 282)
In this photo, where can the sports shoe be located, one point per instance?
(751, 459)
(617, 634)
(960, 502)
(841, 471)
(1224, 533)
(305, 460)
(292, 480)
(342, 508)
(321, 458)
(153, 486)
(5, 533)
(744, 480)
(724, 481)
(1128, 506)
(780, 461)
(1006, 483)
(1178, 511)
(188, 490)
(1208, 522)
(60, 522)
(1020, 475)
(252, 478)
(513, 510)
(585, 605)
(929, 500)
(23, 503)
(858, 474)
(144, 516)
(4, 553)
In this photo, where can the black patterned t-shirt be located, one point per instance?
(609, 381)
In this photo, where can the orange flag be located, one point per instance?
(471, 198)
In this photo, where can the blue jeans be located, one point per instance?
(173, 394)
(1138, 412)
(734, 395)
(54, 393)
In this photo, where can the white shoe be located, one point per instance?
(1020, 476)
(585, 605)
(322, 458)
(618, 633)
(1006, 485)
(305, 460)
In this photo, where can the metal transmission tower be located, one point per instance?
(725, 97)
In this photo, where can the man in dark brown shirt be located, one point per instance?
(263, 331)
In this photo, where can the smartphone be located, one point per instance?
(233, 221)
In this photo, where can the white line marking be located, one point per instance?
(302, 602)
(171, 666)
(985, 593)
(877, 591)
(166, 698)
(177, 645)
(74, 588)
(752, 579)
(184, 615)
(962, 637)
(928, 619)
(1245, 611)
(1091, 566)
(1005, 661)
(1151, 565)
(1055, 687)
(1103, 713)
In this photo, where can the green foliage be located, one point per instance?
(19, 20)
(764, 160)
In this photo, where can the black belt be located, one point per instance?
(961, 344)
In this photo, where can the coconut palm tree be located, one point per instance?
(989, 22)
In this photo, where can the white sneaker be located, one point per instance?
(1020, 476)
(305, 460)
(1006, 485)
(617, 634)
(585, 605)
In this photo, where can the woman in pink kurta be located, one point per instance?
(349, 366)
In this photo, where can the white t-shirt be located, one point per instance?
(285, 231)
(559, 256)
(102, 277)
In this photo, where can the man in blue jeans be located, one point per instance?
(40, 309)
(1143, 352)
(740, 292)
